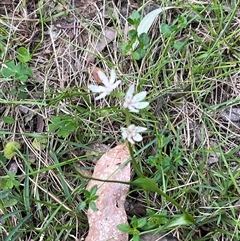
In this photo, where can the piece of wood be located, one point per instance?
(110, 203)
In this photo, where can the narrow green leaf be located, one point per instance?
(8, 120)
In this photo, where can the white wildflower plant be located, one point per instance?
(134, 102)
(131, 133)
(109, 85)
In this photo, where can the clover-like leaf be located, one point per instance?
(10, 150)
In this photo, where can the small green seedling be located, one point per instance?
(7, 183)
(134, 227)
(90, 199)
(18, 71)
(64, 125)
(170, 31)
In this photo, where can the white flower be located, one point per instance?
(108, 87)
(131, 133)
(134, 103)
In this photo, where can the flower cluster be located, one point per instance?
(132, 102)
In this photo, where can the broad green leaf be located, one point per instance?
(132, 33)
(142, 222)
(10, 149)
(124, 227)
(146, 184)
(3, 159)
(4, 193)
(144, 39)
(136, 55)
(9, 203)
(23, 55)
(178, 45)
(9, 69)
(166, 30)
(92, 205)
(93, 190)
(134, 222)
(134, 18)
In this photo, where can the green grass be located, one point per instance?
(191, 150)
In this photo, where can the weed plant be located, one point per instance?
(185, 161)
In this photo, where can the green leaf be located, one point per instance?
(181, 220)
(23, 55)
(3, 159)
(86, 193)
(4, 193)
(142, 222)
(9, 69)
(10, 149)
(63, 133)
(92, 205)
(81, 206)
(182, 21)
(64, 124)
(166, 30)
(144, 39)
(136, 237)
(93, 190)
(39, 143)
(134, 18)
(134, 222)
(126, 48)
(146, 184)
(136, 55)
(132, 33)
(178, 45)
(23, 72)
(8, 120)
(9, 203)
(124, 227)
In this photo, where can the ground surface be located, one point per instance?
(191, 149)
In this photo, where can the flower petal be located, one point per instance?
(124, 133)
(140, 96)
(101, 96)
(129, 93)
(137, 137)
(131, 140)
(132, 109)
(103, 77)
(140, 129)
(96, 89)
(141, 105)
(112, 76)
(115, 85)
